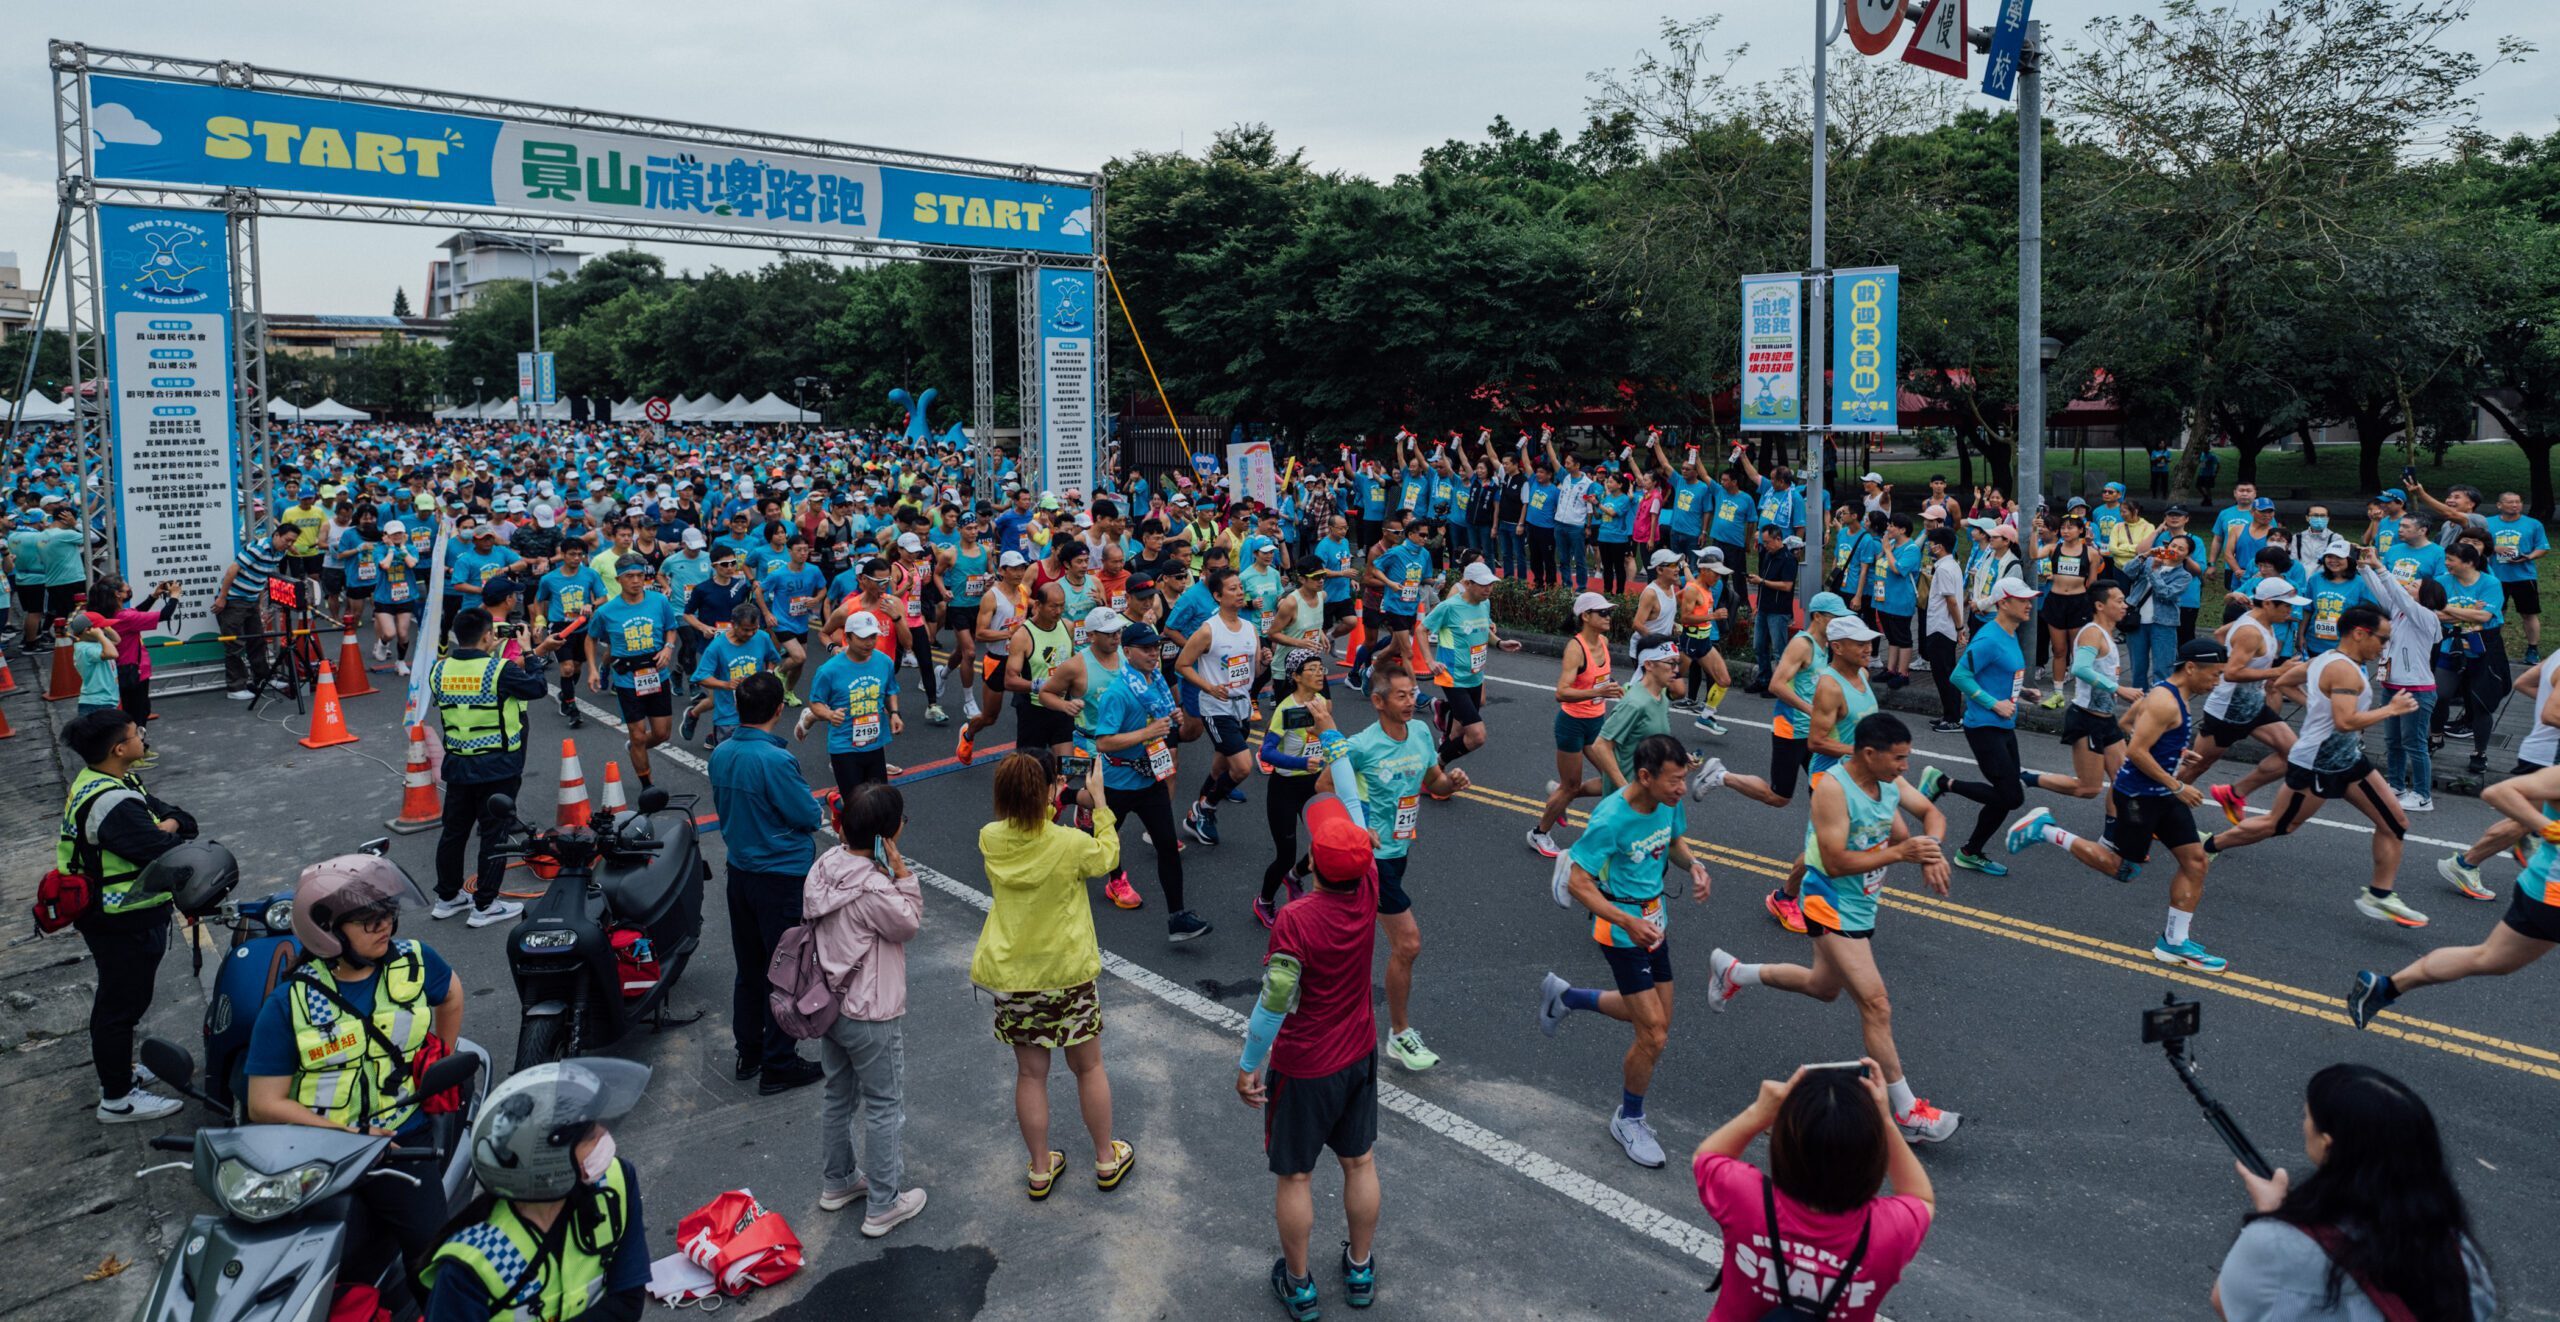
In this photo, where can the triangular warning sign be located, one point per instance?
(1938, 41)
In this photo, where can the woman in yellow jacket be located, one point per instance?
(1039, 955)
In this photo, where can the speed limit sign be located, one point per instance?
(657, 409)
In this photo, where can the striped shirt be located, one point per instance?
(259, 562)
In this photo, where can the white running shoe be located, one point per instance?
(240, 695)
(137, 1106)
(1551, 1007)
(1560, 882)
(902, 1210)
(1721, 988)
(453, 908)
(499, 912)
(1924, 1123)
(2389, 908)
(2464, 879)
(1637, 1138)
(1707, 779)
(1544, 843)
(2413, 801)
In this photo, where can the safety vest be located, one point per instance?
(476, 718)
(94, 794)
(340, 1072)
(503, 1250)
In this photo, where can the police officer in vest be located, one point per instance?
(557, 1231)
(111, 828)
(480, 702)
(338, 1041)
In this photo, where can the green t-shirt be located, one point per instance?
(1638, 715)
(1461, 631)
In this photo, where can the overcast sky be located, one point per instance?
(1363, 87)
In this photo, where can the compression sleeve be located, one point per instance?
(1279, 997)
(1271, 753)
(2084, 667)
(1966, 684)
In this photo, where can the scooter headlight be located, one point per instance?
(556, 939)
(280, 916)
(255, 1195)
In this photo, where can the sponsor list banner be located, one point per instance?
(1066, 379)
(155, 130)
(1772, 340)
(167, 284)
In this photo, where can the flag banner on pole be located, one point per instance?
(1772, 352)
(1865, 386)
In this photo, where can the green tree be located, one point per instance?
(400, 302)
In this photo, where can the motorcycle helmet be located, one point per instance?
(196, 876)
(336, 889)
(524, 1145)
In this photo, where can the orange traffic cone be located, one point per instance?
(328, 723)
(351, 665)
(421, 807)
(66, 679)
(573, 788)
(613, 800)
(1356, 639)
(8, 677)
(5, 731)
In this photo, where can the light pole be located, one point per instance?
(297, 387)
(800, 398)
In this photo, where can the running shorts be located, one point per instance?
(1635, 970)
(2532, 918)
(1303, 1117)
(1391, 895)
(1576, 733)
(2230, 733)
(2324, 784)
(2142, 819)
(2101, 732)
(1466, 705)
(1841, 908)
(635, 707)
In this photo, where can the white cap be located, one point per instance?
(394, 528)
(1657, 652)
(862, 624)
(1103, 619)
(1981, 525)
(1850, 629)
(1877, 478)
(2341, 546)
(2010, 587)
(1660, 558)
(544, 516)
(1480, 574)
(1592, 601)
(693, 539)
(1715, 566)
(1011, 560)
(908, 541)
(1084, 520)
(2276, 589)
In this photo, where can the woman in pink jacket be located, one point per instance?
(133, 659)
(862, 905)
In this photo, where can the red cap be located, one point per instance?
(1341, 850)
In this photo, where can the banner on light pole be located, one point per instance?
(1865, 385)
(1772, 352)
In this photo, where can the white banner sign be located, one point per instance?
(1066, 380)
(1253, 473)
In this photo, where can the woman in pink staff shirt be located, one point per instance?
(133, 660)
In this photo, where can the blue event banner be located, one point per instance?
(1067, 388)
(160, 131)
(1865, 386)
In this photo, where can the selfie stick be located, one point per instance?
(2214, 1114)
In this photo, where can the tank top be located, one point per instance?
(2542, 746)
(1098, 680)
(1666, 614)
(1787, 723)
(2071, 564)
(1080, 603)
(1870, 825)
(1594, 673)
(2165, 751)
(1229, 659)
(999, 640)
(2323, 746)
(2087, 696)
(966, 580)
(904, 582)
(2239, 702)
(1706, 599)
(1858, 701)
(1048, 647)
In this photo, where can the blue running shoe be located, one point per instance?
(1977, 863)
(1933, 782)
(2028, 830)
(1297, 1298)
(1359, 1280)
(2187, 954)
(2372, 993)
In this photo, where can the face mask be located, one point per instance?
(599, 1160)
(2319, 522)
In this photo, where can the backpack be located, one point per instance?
(803, 1002)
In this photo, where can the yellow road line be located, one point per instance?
(2520, 1056)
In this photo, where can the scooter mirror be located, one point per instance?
(450, 1072)
(498, 808)
(170, 1061)
(652, 800)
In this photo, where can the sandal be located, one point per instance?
(1107, 1178)
(1040, 1183)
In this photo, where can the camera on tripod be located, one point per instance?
(2170, 1025)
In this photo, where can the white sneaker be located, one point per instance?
(1924, 1123)
(240, 695)
(1721, 988)
(1544, 843)
(1637, 1138)
(1919, 663)
(900, 1212)
(498, 912)
(137, 1105)
(453, 908)
(2413, 801)
(1560, 885)
(1707, 779)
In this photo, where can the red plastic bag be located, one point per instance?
(61, 897)
(635, 962)
(357, 1303)
(740, 1243)
(449, 1101)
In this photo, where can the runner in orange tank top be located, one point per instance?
(1583, 689)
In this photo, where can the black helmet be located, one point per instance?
(196, 876)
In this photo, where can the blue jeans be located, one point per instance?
(1515, 551)
(1769, 633)
(1577, 574)
(2410, 764)
(1681, 542)
(2151, 652)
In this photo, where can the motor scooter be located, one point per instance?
(598, 953)
(263, 952)
(274, 1251)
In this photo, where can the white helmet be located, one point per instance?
(524, 1145)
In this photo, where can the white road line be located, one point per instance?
(1960, 758)
(1636, 1215)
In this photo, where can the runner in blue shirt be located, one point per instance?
(1398, 573)
(856, 696)
(2515, 543)
(632, 638)
(561, 600)
(1987, 675)
(743, 649)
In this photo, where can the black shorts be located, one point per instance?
(1815, 927)
(301, 566)
(2524, 597)
(2230, 733)
(396, 609)
(1635, 970)
(853, 769)
(1391, 896)
(1303, 1117)
(1394, 623)
(2067, 611)
(2531, 917)
(2101, 732)
(2142, 819)
(1466, 704)
(957, 618)
(657, 705)
(333, 581)
(2325, 784)
(1695, 647)
(1787, 760)
(1897, 629)
(1226, 734)
(1039, 727)
(1335, 612)
(781, 639)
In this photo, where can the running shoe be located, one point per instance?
(933, 712)
(1297, 1298)
(2478, 765)
(792, 698)
(2054, 701)
(1721, 988)
(1185, 925)
(967, 751)
(691, 723)
(1708, 778)
(2523, 851)
(2465, 879)
(2390, 908)
(498, 911)
(1946, 727)
(1977, 863)
(2415, 801)
(1560, 882)
(1409, 1052)
(136, 1106)
(1551, 787)
(2234, 804)
(2188, 954)
(2533, 656)
(1551, 1006)
(1202, 826)
(1121, 893)
(1707, 721)
(453, 908)
(1544, 844)
(1924, 1123)
(1933, 782)
(1264, 914)
(1637, 1138)
(1786, 910)
(2028, 830)
(1235, 795)
(1359, 1279)
(2372, 994)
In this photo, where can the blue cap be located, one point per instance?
(2395, 493)
(2264, 503)
(2116, 487)
(1826, 603)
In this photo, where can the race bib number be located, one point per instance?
(865, 729)
(1079, 635)
(1475, 659)
(975, 585)
(1159, 759)
(1239, 672)
(1408, 817)
(1653, 912)
(399, 593)
(1873, 882)
(646, 682)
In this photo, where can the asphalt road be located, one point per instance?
(2083, 1184)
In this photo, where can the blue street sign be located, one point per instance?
(2008, 40)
